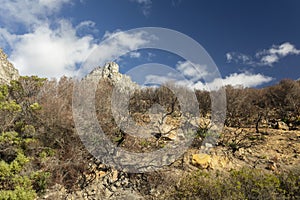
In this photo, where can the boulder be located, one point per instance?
(201, 160)
(281, 125)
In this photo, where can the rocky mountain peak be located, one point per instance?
(7, 71)
(111, 72)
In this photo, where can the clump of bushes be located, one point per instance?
(36, 122)
(244, 183)
(17, 180)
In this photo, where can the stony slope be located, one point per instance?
(272, 150)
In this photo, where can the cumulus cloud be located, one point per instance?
(276, 52)
(266, 57)
(284, 49)
(194, 80)
(29, 13)
(191, 70)
(236, 80)
(47, 46)
(113, 46)
(195, 75)
(145, 6)
(50, 46)
(245, 79)
(50, 52)
(269, 59)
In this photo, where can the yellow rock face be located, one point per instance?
(201, 160)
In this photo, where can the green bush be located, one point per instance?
(238, 184)
(19, 193)
(290, 183)
(40, 180)
(256, 184)
(17, 181)
(14, 185)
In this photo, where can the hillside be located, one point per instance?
(44, 155)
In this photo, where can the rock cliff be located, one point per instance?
(7, 71)
(111, 72)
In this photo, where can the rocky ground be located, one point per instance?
(275, 150)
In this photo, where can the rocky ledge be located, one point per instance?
(7, 71)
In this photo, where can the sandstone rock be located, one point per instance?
(281, 125)
(201, 160)
(7, 71)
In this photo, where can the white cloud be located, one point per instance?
(266, 57)
(284, 49)
(145, 6)
(269, 59)
(134, 54)
(157, 79)
(242, 79)
(126, 40)
(50, 52)
(115, 45)
(191, 70)
(56, 52)
(193, 78)
(188, 74)
(48, 46)
(86, 25)
(229, 57)
(29, 13)
(272, 55)
(238, 58)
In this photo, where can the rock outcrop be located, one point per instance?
(111, 72)
(7, 71)
(201, 160)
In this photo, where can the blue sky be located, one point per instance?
(253, 43)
